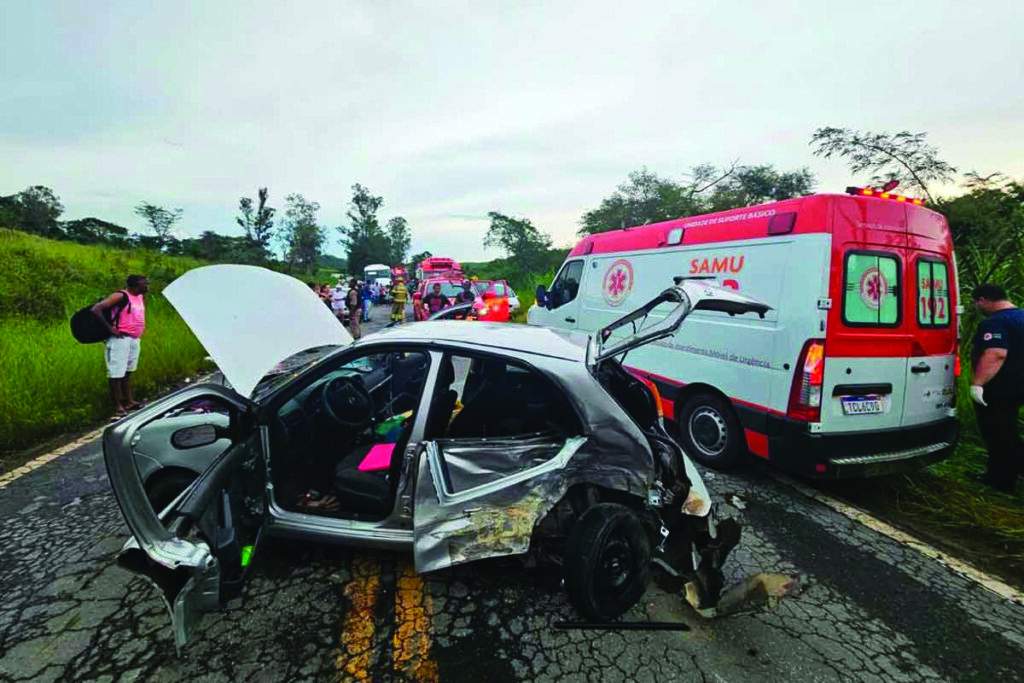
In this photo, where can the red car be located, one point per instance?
(491, 302)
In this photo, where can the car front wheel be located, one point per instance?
(607, 559)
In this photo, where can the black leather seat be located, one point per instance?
(363, 492)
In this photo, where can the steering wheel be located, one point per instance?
(347, 396)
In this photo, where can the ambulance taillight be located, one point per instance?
(808, 380)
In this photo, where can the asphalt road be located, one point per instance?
(870, 608)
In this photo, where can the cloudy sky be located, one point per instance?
(453, 109)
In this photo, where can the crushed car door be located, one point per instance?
(198, 549)
(478, 498)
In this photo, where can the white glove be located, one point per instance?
(978, 394)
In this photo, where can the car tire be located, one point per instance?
(164, 488)
(710, 432)
(607, 561)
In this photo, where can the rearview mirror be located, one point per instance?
(542, 295)
(194, 437)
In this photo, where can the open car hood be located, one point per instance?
(249, 319)
(685, 296)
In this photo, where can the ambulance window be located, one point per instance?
(871, 290)
(932, 293)
(567, 285)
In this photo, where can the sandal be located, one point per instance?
(136, 406)
(118, 414)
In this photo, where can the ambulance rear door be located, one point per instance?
(930, 378)
(868, 339)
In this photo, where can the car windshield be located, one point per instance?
(290, 367)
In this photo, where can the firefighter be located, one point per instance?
(399, 295)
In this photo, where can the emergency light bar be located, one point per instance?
(872, 192)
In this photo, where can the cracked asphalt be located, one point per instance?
(869, 608)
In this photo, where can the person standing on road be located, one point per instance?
(367, 301)
(467, 295)
(338, 301)
(121, 350)
(434, 301)
(354, 302)
(399, 295)
(998, 384)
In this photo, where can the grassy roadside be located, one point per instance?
(52, 384)
(943, 503)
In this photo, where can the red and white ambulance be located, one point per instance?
(851, 372)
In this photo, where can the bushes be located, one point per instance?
(51, 383)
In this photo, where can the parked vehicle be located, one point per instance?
(491, 303)
(377, 273)
(438, 267)
(852, 372)
(394, 442)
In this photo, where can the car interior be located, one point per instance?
(337, 445)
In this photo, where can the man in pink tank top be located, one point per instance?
(126, 321)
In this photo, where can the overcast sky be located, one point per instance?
(453, 109)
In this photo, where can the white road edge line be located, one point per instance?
(18, 472)
(979, 577)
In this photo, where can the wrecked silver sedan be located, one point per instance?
(456, 442)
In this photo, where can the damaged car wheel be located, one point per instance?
(607, 558)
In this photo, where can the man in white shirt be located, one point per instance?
(338, 302)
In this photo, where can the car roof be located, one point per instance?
(542, 341)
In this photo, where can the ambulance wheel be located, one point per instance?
(710, 431)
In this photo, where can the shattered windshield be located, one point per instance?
(290, 367)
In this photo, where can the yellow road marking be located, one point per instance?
(9, 478)
(356, 652)
(413, 610)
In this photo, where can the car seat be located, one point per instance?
(443, 402)
(482, 401)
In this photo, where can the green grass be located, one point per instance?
(52, 384)
(944, 497)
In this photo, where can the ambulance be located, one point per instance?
(852, 370)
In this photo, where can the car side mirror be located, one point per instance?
(542, 295)
(194, 437)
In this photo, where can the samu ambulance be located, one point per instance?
(851, 372)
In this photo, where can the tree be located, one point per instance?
(750, 185)
(416, 259)
(399, 239)
(904, 156)
(363, 238)
(643, 198)
(93, 230)
(520, 240)
(987, 223)
(160, 220)
(303, 239)
(648, 198)
(258, 224)
(34, 209)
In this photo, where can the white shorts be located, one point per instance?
(122, 354)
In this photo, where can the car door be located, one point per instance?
(561, 304)
(198, 549)
(487, 472)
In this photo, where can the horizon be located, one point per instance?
(448, 112)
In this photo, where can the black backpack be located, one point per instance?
(87, 329)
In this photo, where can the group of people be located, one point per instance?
(434, 301)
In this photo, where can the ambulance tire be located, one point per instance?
(710, 432)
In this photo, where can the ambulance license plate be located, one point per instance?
(857, 405)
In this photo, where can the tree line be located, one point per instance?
(986, 215)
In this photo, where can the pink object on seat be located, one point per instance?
(379, 458)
